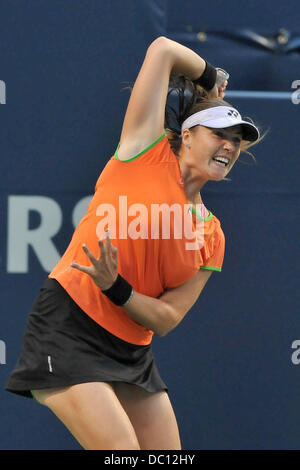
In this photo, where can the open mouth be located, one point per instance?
(222, 161)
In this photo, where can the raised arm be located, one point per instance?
(145, 114)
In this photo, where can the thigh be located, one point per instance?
(93, 414)
(152, 416)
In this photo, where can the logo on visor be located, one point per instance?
(233, 112)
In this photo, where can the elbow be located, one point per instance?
(161, 47)
(162, 333)
(161, 44)
(168, 321)
(163, 330)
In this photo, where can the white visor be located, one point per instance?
(220, 117)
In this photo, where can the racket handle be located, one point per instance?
(222, 76)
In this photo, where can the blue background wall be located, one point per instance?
(233, 364)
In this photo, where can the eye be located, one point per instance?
(219, 134)
(222, 135)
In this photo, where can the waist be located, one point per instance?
(96, 305)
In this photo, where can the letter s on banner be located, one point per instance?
(80, 210)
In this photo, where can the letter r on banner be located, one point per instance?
(20, 237)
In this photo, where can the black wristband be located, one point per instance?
(208, 78)
(120, 292)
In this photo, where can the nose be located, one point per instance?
(229, 145)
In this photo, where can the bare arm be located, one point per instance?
(145, 115)
(159, 315)
(164, 314)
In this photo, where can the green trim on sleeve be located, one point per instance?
(31, 391)
(202, 218)
(139, 154)
(211, 268)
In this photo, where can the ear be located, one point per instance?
(186, 138)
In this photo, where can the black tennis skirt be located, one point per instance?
(63, 346)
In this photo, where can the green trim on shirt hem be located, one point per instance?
(139, 154)
(211, 268)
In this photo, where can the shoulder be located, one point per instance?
(142, 150)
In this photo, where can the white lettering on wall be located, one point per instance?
(2, 352)
(2, 92)
(21, 237)
(80, 209)
(296, 354)
(296, 94)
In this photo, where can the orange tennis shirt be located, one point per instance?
(143, 201)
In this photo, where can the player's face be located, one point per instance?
(215, 151)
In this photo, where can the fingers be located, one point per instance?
(84, 269)
(108, 249)
(224, 84)
(112, 251)
(89, 254)
(102, 250)
(222, 89)
(108, 243)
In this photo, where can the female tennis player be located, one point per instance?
(87, 346)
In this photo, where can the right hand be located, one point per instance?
(218, 92)
(104, 269)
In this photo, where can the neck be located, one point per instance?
(192, 184)
(197, 199)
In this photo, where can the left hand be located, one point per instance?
(104, 269)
